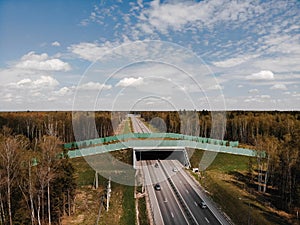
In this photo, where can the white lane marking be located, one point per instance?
(172, 214)
(207, 220)
(195, 203)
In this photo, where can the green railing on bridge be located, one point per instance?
(131, 140)
(123, 137)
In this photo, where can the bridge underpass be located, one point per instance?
(161, 153)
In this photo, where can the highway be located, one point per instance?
(138, 126)
(169, 207)
(178, 201)
(187, 192)
(179, 204)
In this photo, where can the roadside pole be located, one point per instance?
(108, 193)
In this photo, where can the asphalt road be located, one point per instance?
(189, 195)
(138, 125)
(171, 208)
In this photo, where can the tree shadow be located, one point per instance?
(271, 199)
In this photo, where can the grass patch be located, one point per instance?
(143, 217)
(127, 127)
(128, 203)
(237, 204)
(225, 162)
(124, 156)
(230, 192)
(195, 156)
(84, 174)
(87, 201)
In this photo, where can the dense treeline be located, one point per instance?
(34, 125)
(277, 133)
(37, 184)
(242, 126)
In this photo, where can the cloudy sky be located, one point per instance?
(149, 55)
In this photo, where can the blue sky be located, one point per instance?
(151, 55)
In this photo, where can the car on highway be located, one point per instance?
(203, 205)
(175, 169)
(157, 187)
(156, 165)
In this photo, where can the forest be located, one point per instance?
(275, 132)
(37, 184)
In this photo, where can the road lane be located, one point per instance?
(190, 196)
(170, 208)
(138, 126)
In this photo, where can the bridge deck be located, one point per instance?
(132, 140)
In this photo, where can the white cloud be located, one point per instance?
(230, 62)
(265, 96)
(94, 86)
(283, 64)
(262, 75)
(278, 87)
(44, 82)
(179, 15)
(234, 61)
(130, 81)
(215, 87)
(33, 61)
(55, 43)
(24, 82)
(7, 97)
(92, 51)
(258, 98)
(253, 91)
(64, 91)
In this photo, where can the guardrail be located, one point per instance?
(123, 137)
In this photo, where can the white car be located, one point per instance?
(203, 205)
(175, 170)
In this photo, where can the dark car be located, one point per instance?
(157, 187)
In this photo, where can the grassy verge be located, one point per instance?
(222, 180)
(143, 217)
(128, 203)
(84, 174)
(87, 201)
(127, 127)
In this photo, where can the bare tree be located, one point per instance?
(50, 149)
(27, 181)
(9, 161)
